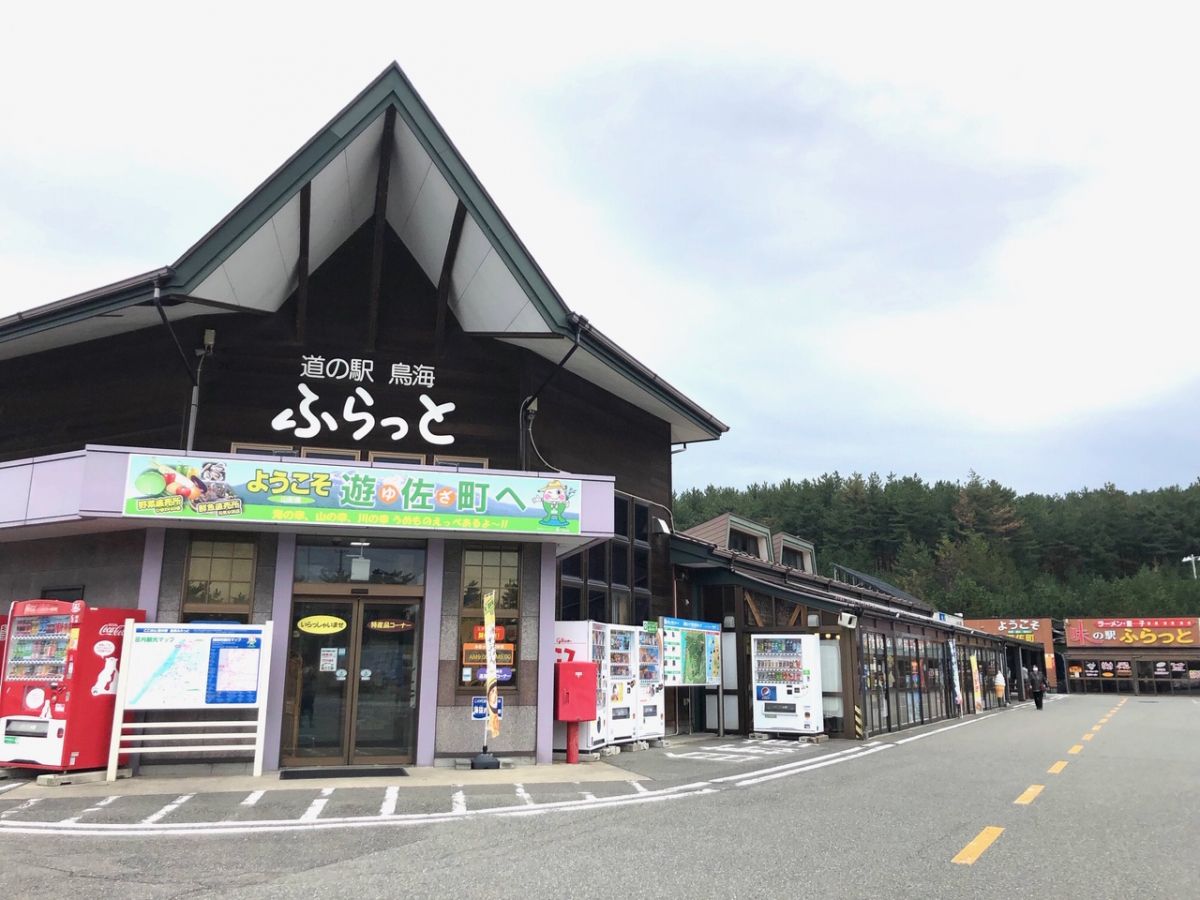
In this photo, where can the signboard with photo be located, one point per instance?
(691, 652)
(229, 491)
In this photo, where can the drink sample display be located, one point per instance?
(38, 649)
(787, 683)
(651, 691)
(622, 682)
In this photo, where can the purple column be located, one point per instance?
(152, 562)
(281, 613)
(545, 693)
(431, 633)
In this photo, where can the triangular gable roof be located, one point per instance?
(248, 261)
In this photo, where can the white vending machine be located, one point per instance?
(622, 682)
(787, 683)
(585, 642)
(651, 692)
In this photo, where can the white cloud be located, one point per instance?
(1073, 310)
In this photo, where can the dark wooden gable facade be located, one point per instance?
(134, 390)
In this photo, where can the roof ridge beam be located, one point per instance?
(302, 261)
(381, 192)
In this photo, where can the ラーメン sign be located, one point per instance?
(225, 491)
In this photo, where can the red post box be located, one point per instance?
(575, 699)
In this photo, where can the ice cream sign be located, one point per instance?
(240, 490)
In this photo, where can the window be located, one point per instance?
(220, 580)
(397, 459)
(461, 462)
(74, 592)
(328, 453)
(793, 559)
(742, 542)
(614, 576)
(321, 560)
(262, 450)
(494, 572)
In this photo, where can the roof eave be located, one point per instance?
(109, 298)
(605, 349)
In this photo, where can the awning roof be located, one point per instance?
(249, 261)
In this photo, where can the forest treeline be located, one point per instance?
(980, 549)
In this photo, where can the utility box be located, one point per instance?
(575, 685)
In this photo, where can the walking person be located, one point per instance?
(1037, 683)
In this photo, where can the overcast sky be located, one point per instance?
(916, 241)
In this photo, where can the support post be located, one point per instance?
(572, 743)
(443, 289)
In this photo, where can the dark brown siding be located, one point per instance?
(133, 389)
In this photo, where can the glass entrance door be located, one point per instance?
(351, 691)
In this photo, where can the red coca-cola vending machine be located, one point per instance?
(59, 684)
(3, 641)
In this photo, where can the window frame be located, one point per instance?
(334, 454)
(390, 457)
(189, 610)
(509, 617)
(242, 449)
(466, 462)
(623, 599)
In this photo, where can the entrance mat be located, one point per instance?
(342, 772)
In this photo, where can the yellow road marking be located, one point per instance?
(1078, 748)
(1057, 768)
(968, 854)
(1095, 728)
(1088, 737)
(1030, 794)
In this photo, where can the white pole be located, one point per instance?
(264, 680)
(118, 723)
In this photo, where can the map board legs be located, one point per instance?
(114, 741)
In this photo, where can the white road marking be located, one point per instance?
(99, 806)
(314, 809)
(253, 798)
(917, 737)
(523, 795)
(458, 811)
(588, 795)
(168, 809)
(274, 826)
(12, 787)
(20, 808)
(792, 765)
(390, 797)
(816, 765)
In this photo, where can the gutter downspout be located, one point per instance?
(193, 373)
(528, 407)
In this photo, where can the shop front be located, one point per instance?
(1157, 655)
(1038, 632)
(886, 662)
(355, 409)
